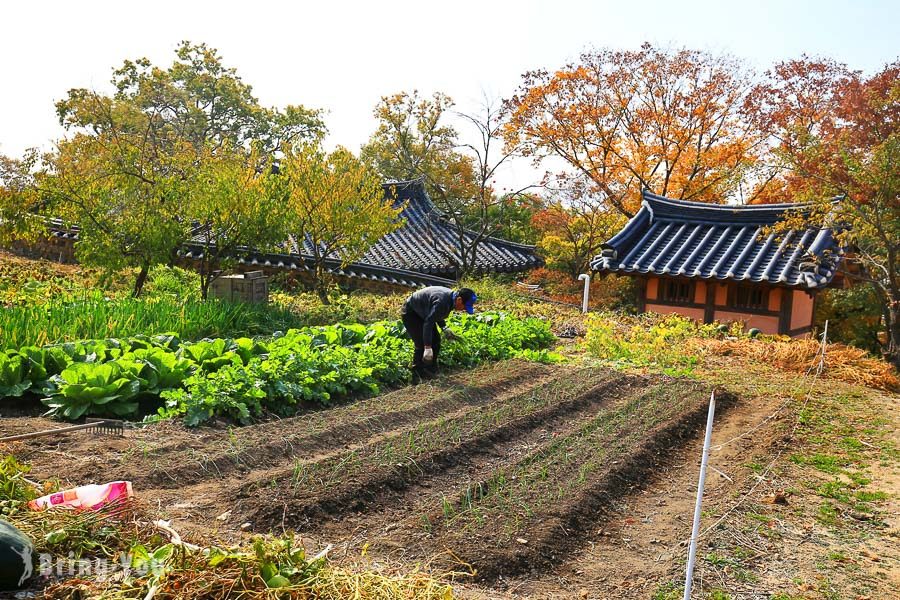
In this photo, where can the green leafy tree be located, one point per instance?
(129, 206)
(232, 199)
(335, 202)
(123, 173)
(19, 205)
(197, 99)
(514, 214)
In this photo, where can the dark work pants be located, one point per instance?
(415, 328)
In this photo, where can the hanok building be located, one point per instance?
(423, 251)
(723, 263)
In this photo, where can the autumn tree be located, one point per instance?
(666, 120)
(835, 133)
(415, 140)
(123, 171)
(572, 228)
(335, 203)
(19, 205)
(233, 201)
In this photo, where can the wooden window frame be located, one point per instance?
(760, 309)
(755, 297)
(678, 299)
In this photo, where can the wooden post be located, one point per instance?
(784, 316)
(642, 294)
(709, 309)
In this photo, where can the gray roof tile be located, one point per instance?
(692, 239)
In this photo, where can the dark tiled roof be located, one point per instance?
(58, 229)
(696, 240)
(295, 262)
(428, 243)
(421, 252)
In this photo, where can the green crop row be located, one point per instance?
(242, 379)
(94, 317)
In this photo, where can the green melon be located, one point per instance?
(15, 557)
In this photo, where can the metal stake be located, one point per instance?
(695, 532)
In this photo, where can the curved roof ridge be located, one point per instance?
(428, 204)
(649, 196)
(730, 245)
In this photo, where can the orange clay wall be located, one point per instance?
(775, 299)
(700, 292)
(801, 310)
(652, 289)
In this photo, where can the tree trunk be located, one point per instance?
(141, 279)
(321, 284)
(893, 331)
(205, 279)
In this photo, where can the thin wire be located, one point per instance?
(819, 368)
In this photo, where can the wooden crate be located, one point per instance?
(251, 287)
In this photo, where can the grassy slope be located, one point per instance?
(813, 509)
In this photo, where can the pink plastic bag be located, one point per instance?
(86, 497)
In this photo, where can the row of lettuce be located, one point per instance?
(243, 379)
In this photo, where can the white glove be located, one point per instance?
(428, 355)
(450, 335)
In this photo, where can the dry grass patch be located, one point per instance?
(842, 362)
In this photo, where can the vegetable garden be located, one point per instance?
(266, 451)
(243, 379)
(493, 454)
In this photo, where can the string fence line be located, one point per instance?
(815, 369)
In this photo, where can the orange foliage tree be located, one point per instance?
(836, 133)
(667, 120)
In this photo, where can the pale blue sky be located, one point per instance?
(343, 56)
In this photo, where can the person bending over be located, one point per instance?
(423, 312)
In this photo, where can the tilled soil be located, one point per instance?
(499, 471)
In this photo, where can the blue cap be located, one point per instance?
(469, 299)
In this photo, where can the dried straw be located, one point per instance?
(842, 362)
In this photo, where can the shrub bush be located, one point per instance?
(648, 341)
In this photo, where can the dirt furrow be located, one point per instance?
(550, 544)
(339, 431)
(526, 531)
(397, 514)
(158, 462)
(482, 433)
(224, 493)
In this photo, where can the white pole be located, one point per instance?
(824, 345)
(695, 532)
(586, 278)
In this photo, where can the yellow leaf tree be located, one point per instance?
(336, 204)
(230, 200)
